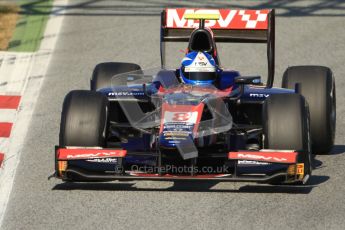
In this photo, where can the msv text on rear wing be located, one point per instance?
(241, 26)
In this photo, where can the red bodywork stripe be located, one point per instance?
(9, 102)
(80, 153)
(5, 129)
(216, 92)
(182, 108)
(274, 156)
(2, 156)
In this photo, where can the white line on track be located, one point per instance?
(29, 88)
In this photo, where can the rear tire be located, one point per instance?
(318, 88)
(84, 119)
(104, 72)
(286, 125)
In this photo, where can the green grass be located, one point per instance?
(30, 27)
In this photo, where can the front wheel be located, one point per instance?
(286, 126)
(84, 119)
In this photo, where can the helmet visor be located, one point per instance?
(199, 76)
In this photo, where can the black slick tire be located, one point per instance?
(84, 119)
(318, 87)
(286, 126)
(104, 72)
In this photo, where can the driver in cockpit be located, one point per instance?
(198, 68)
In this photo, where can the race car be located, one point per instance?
(199, 121)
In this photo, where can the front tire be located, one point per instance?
(84, 119)
(286, 125)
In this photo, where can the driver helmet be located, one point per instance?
(198, 68)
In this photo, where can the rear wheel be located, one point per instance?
(318, 87)
(286, 125)
(84, 119)
(104, 72)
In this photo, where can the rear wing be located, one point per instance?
(242, 26)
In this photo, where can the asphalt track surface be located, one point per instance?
(97, 31)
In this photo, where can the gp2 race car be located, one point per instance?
(139, 124)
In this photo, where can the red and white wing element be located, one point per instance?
(88, 153)
(229, 19)
(274, 156)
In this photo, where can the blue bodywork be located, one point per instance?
(226, 79)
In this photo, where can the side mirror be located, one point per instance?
(248, 80)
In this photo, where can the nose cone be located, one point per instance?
(179, 123)
(176, 134)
